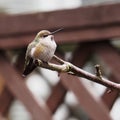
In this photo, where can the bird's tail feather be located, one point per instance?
(29, 68)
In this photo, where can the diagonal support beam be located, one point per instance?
(5, 101)
(110, 98)
(18, 88)
(95, 109)
(112, 58)
(91, 23)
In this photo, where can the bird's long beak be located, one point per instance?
(56, 31)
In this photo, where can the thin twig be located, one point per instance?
(98, 71)
(58, 59)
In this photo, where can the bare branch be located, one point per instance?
(69, 68)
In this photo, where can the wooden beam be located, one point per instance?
(75, 18)
(112, 58)
(73, 36)
(6, 97)
(5, 101)
(2, 118)
(90, 23)
(95, 109)
(16, 85)
(83, 55)
(57, 97)
(110, 98)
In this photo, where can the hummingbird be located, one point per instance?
(42, 47)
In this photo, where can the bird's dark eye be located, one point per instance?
(45, 36)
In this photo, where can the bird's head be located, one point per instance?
(45, 33)
(42, 34)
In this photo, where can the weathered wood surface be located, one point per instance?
(18, 88)
(90, 23)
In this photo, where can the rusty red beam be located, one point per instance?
(7, 97)
(82, 54)
(85, 24)
(95, 109)
(86, 49)
(57, 97)
(16, 41)
(75, 18)
(111, 57)
(110, 98)
(73, 36)
(5, 101)
(18, 88)
(58, 93)
(2, 118)
(109, 51)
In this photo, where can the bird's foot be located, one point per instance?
(37, 62)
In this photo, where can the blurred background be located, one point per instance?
(42, 81)
(30, 6)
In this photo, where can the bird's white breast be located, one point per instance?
(46, 47)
